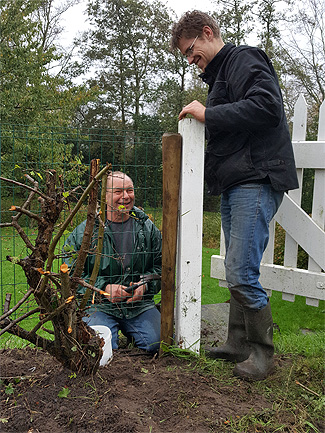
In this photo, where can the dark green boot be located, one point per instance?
(236, 348)
(259, 330)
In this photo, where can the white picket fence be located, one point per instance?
(301, 229)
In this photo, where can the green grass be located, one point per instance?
(292, 319)
(212, 293)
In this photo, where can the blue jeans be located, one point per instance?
(246, 211)
(144, 328)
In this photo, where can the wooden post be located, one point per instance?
(171, 157)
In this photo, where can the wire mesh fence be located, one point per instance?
(28, 152)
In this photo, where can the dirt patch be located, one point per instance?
(134, 393)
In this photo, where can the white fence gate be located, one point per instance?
(301, 229)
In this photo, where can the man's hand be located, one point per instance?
(138, 293)
(116, 292)
(196, 109)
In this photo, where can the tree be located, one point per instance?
(171, 94)
(75, 345)
(31, 91)
(269, 18)
(233, 18)
(304, 50)
(128, 60)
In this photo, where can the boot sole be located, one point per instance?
(253, 377)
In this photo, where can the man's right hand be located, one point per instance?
(196, 109)
(116, 293)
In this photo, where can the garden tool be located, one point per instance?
(143, 280)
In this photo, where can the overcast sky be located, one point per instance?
(74, 18)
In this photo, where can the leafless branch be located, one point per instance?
(19, 319)
(19, 303)
(36, 191)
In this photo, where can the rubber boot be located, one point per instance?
(236, 348)
(259, 330)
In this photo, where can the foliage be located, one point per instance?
(34, 94)
(302, 261)
(129, 59)
(30, 92)
(34, 149)
(303, 52)
(235, 20)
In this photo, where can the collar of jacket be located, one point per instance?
(212, 69)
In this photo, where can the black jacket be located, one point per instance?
(246, 128)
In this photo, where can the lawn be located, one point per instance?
(299, 326)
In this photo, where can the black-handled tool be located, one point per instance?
(143, 280)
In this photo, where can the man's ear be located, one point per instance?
(208, 33)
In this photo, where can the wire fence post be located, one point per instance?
(171, 157)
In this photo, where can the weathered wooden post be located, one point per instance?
(171, 156)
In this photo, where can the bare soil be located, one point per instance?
(133, 393)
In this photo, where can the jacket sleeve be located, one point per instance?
(251, 95)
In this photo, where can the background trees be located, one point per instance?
(126, 49)
(127, 78)
(35, 86)
(126, 70)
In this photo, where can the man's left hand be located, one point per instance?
(137, 294)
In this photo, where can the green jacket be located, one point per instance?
(146, 260)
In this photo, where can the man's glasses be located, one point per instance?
(189, 51)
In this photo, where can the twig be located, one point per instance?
(49, 317)
(25, 205)
(88, 286)
(90, 221)
(19, 319)
(49, 331)
(26, 187)
(35, 339)
(19, 303)
(307, 389)
(26, 212)
(100, 242)
(6, 225)
(7, 303)
(23, 235)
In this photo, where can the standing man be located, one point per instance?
(249, 161)
(131, 251)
